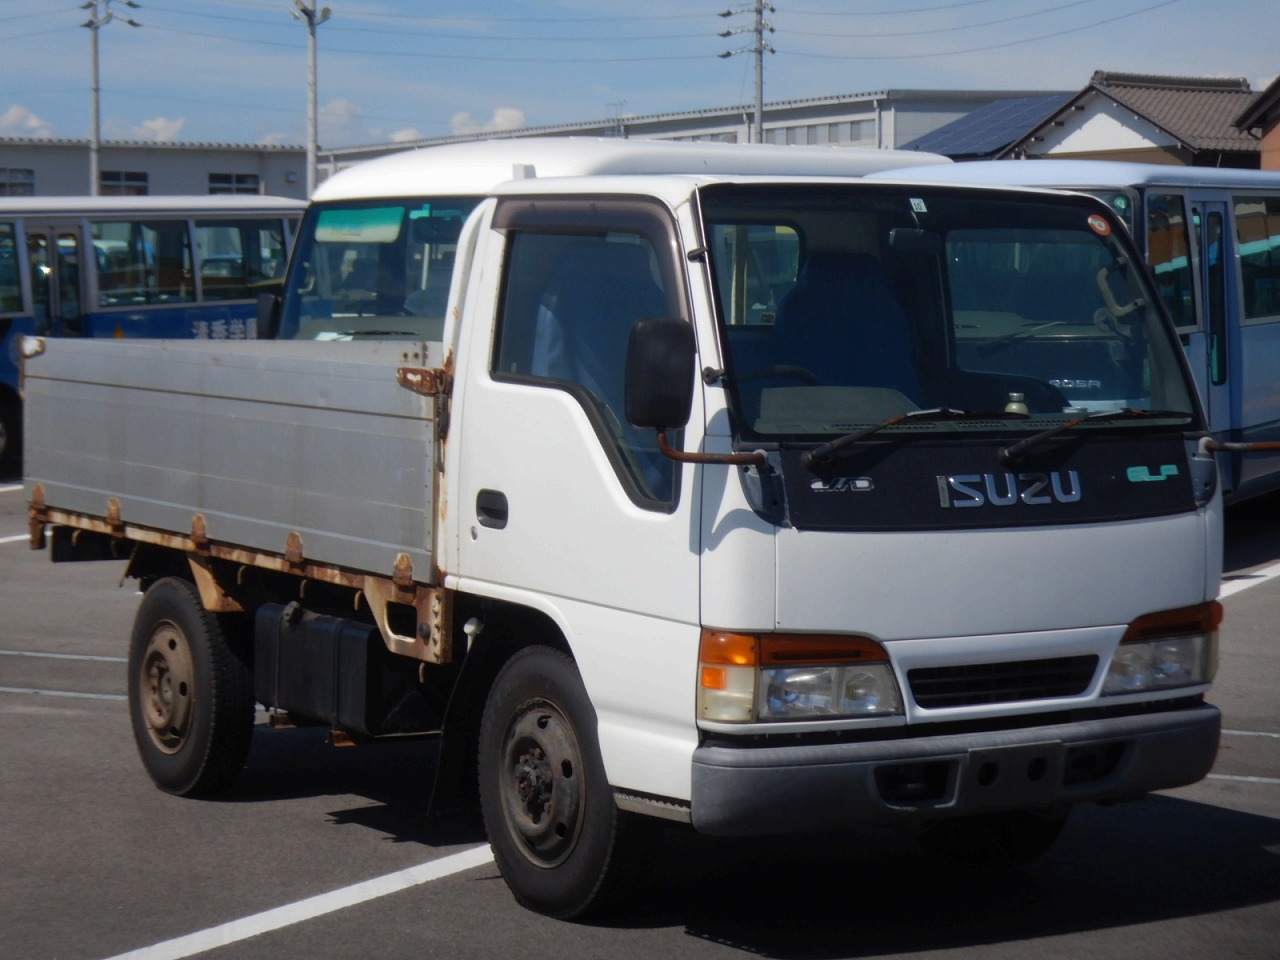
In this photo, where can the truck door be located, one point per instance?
(56, 262)
(560, 504)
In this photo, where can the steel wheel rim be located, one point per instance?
(167, 679)
(542, 785)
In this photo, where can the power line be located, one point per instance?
(946, 29)
(994, 46)
(883, 13)
(428, 35)
(480, 18)
(433, 54)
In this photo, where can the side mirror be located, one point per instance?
(268, 318)
(661, 363)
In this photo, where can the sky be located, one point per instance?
(235, 71)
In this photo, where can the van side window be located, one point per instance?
(1167, 246)
(143, 261)
(10, 284)
(569, 302)
(1258, 238)
(238, 256)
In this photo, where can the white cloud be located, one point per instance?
(20, 122)
(407, 134)
(504, 118)
(336, 121)
(155, 130)
(159, 129)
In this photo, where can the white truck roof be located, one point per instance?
(1081, 173)
(473, 168)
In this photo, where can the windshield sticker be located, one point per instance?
(1099, 225)
(364, 225)
(917, 205)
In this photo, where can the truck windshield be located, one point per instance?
(845, 306)
(373, 269)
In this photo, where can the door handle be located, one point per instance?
(491, 509)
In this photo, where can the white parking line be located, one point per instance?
(1223, 776)
(61, 656)
(15, 538)
(1250, 733)
(312, 907)
(1232, 585)
(64, 693)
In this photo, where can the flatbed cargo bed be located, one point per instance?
(309, 451)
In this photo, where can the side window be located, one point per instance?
(143, 262)
(1258, 236)
(10, 281)
(1167, 245)
(237, 256)
(570, 299)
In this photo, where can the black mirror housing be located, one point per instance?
(268, 316)
(661, 362)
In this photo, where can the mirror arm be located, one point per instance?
(1255, 446)
(733, 459)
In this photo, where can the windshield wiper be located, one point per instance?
(1015, 453)
(824, 451)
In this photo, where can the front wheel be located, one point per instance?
(190, 692)
(562, 845)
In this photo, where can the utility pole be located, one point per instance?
(761, 47)
(97, 20)
(313, 20)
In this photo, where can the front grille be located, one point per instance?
(979, 683)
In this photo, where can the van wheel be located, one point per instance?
(562, 845)
(190, 692)
(994, 840)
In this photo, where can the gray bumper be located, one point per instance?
(741, 791)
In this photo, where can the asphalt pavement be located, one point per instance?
(324, 852)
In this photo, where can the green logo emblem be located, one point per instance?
(1144, 474)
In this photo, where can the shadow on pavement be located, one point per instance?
(872, 893)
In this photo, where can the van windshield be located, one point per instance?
(373, 269)
(844, 306)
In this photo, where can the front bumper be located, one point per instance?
(744, 791)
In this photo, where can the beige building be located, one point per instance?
(53, 168)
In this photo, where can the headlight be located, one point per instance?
(750, 677)
(1176, 648)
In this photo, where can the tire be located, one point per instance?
(190, 692)
(10, 435)
(994, 840)
(564, 848)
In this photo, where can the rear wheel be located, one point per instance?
(559, 839)
(10, 430)
(994, 840)
(190, 692)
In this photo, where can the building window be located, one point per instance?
(863, 130)
(122, 183)
(234, 183)
(17, 182)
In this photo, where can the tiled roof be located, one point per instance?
(1265, 105)
(986, 131)
(1198, 111)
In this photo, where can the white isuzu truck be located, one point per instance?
(734, 495)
